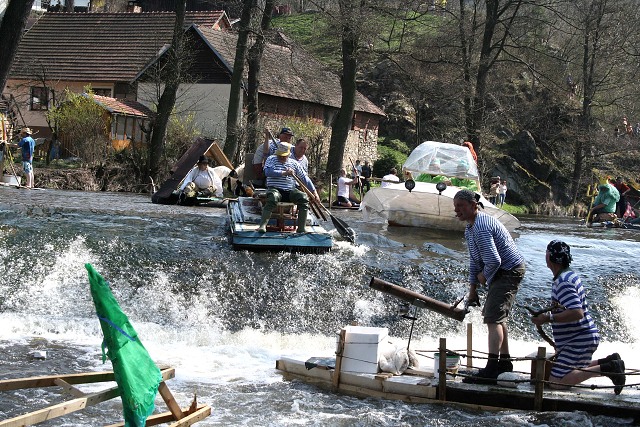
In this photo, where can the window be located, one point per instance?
(102, 92)
(39, 98)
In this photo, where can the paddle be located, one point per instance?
(357, 176)
(593, 195)
(343, 228)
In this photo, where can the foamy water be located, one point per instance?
(222, 318)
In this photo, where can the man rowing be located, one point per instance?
(281, 170)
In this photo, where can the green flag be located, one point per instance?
(137, 375)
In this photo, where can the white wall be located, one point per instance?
(207, 102)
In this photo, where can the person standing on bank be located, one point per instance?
(281, 186)
(495, 262)
(27, 144)
(574, 331)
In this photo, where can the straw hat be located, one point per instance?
(284, 149)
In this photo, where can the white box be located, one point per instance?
(362, 348)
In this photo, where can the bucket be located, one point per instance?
(11, 179)
(452, 364)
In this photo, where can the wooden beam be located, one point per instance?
(217, 153)
(335, 379)
(200, 412)
(83, 378)
(68, 388)
(168, 398)
(60, 409)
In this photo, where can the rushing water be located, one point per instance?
(222, 317)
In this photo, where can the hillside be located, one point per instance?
(529, 134)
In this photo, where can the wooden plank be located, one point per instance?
(201, 412)
(68, 388)
(61, 409)
(50, 380)
(335, 380)
(168, 398)
(216, 152)
(81, 378)
(180, 170)
(199, 415)
(539, 386)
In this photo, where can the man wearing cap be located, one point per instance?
(280, 169)
(27, 144)
(495, 262)
(203, 179)
(267, 149)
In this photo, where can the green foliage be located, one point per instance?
(397, 145)
(515, 210)
(311, 31)
(388, 158)
(84, 123)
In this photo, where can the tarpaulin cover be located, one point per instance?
(440, 158)
(137, 375)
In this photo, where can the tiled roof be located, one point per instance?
(116, 47)
(105, 47)
(290, 72)
(125, 107)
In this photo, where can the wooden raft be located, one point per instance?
(181, 416)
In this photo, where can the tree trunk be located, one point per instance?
(168, 97)
(343, 121)
(235, 95)
(253, 80)
(11, 30)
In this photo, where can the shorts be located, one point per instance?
(572, 357)
(27, 166)
(502, 294)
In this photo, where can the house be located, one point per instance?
(127, 120)
(116, 54)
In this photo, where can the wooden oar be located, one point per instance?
(359, 185)
(593, 195)
(343, 228)
(312, 199)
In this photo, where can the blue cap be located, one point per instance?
(286, 131)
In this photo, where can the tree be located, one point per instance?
(351, 12)
(13, 24)
(174, 75)
(235, 93)
(253, 79)
(84, 123)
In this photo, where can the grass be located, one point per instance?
(515, 209)
(312, 31)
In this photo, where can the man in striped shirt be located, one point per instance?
(281, 186)
(574, 331)
(495, 262)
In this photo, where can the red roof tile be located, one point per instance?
(124, 107)
(98, 47)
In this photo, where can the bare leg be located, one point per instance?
(497, 338)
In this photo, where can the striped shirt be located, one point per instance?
(273, 170)
(490, 248)
(273, 147)
(567, 290)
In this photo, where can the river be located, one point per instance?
(223, 317)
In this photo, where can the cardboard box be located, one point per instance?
(362, 348)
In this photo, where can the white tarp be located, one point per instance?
(440, 158)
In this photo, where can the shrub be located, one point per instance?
(388, 158)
